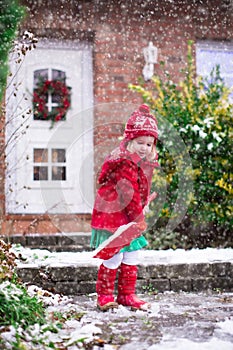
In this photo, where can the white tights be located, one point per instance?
(128, 258)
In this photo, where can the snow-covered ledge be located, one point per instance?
(75, 272)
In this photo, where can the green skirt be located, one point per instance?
(99, 236)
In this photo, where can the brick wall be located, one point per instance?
(119, 30)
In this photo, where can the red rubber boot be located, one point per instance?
(105, 288)
(126, 288)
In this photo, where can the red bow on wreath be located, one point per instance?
(60, 97)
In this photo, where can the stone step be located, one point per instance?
(80, 278)
(58, 242)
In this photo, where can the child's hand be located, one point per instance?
(142, 225)
(152, 196)
(146, 209)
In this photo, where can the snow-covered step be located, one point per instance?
(58, 242)
(73, 273)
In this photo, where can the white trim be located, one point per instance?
(65, 44)
(214, 45)
(75, 135)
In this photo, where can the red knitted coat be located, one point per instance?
(125, 182)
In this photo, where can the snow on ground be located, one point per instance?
(176, 320)
(184, 344)
(223, 331)
(43, 257)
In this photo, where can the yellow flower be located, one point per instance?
(223, 184)
(165, 212)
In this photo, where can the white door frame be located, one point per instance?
(76, 133)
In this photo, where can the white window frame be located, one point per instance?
(221, 53)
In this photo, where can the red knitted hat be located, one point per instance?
(141, 123)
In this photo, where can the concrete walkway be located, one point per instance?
(178, 321)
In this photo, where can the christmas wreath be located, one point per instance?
(60, 95)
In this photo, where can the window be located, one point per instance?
(53, 99)
(49, 164)
(211, 53)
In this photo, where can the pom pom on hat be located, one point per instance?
(144, 109)
(141, 123)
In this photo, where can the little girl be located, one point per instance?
(122, 197)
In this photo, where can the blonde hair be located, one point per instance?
(152, 156)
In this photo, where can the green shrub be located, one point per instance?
(17, 307)
(11, 14)
(195, 152)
